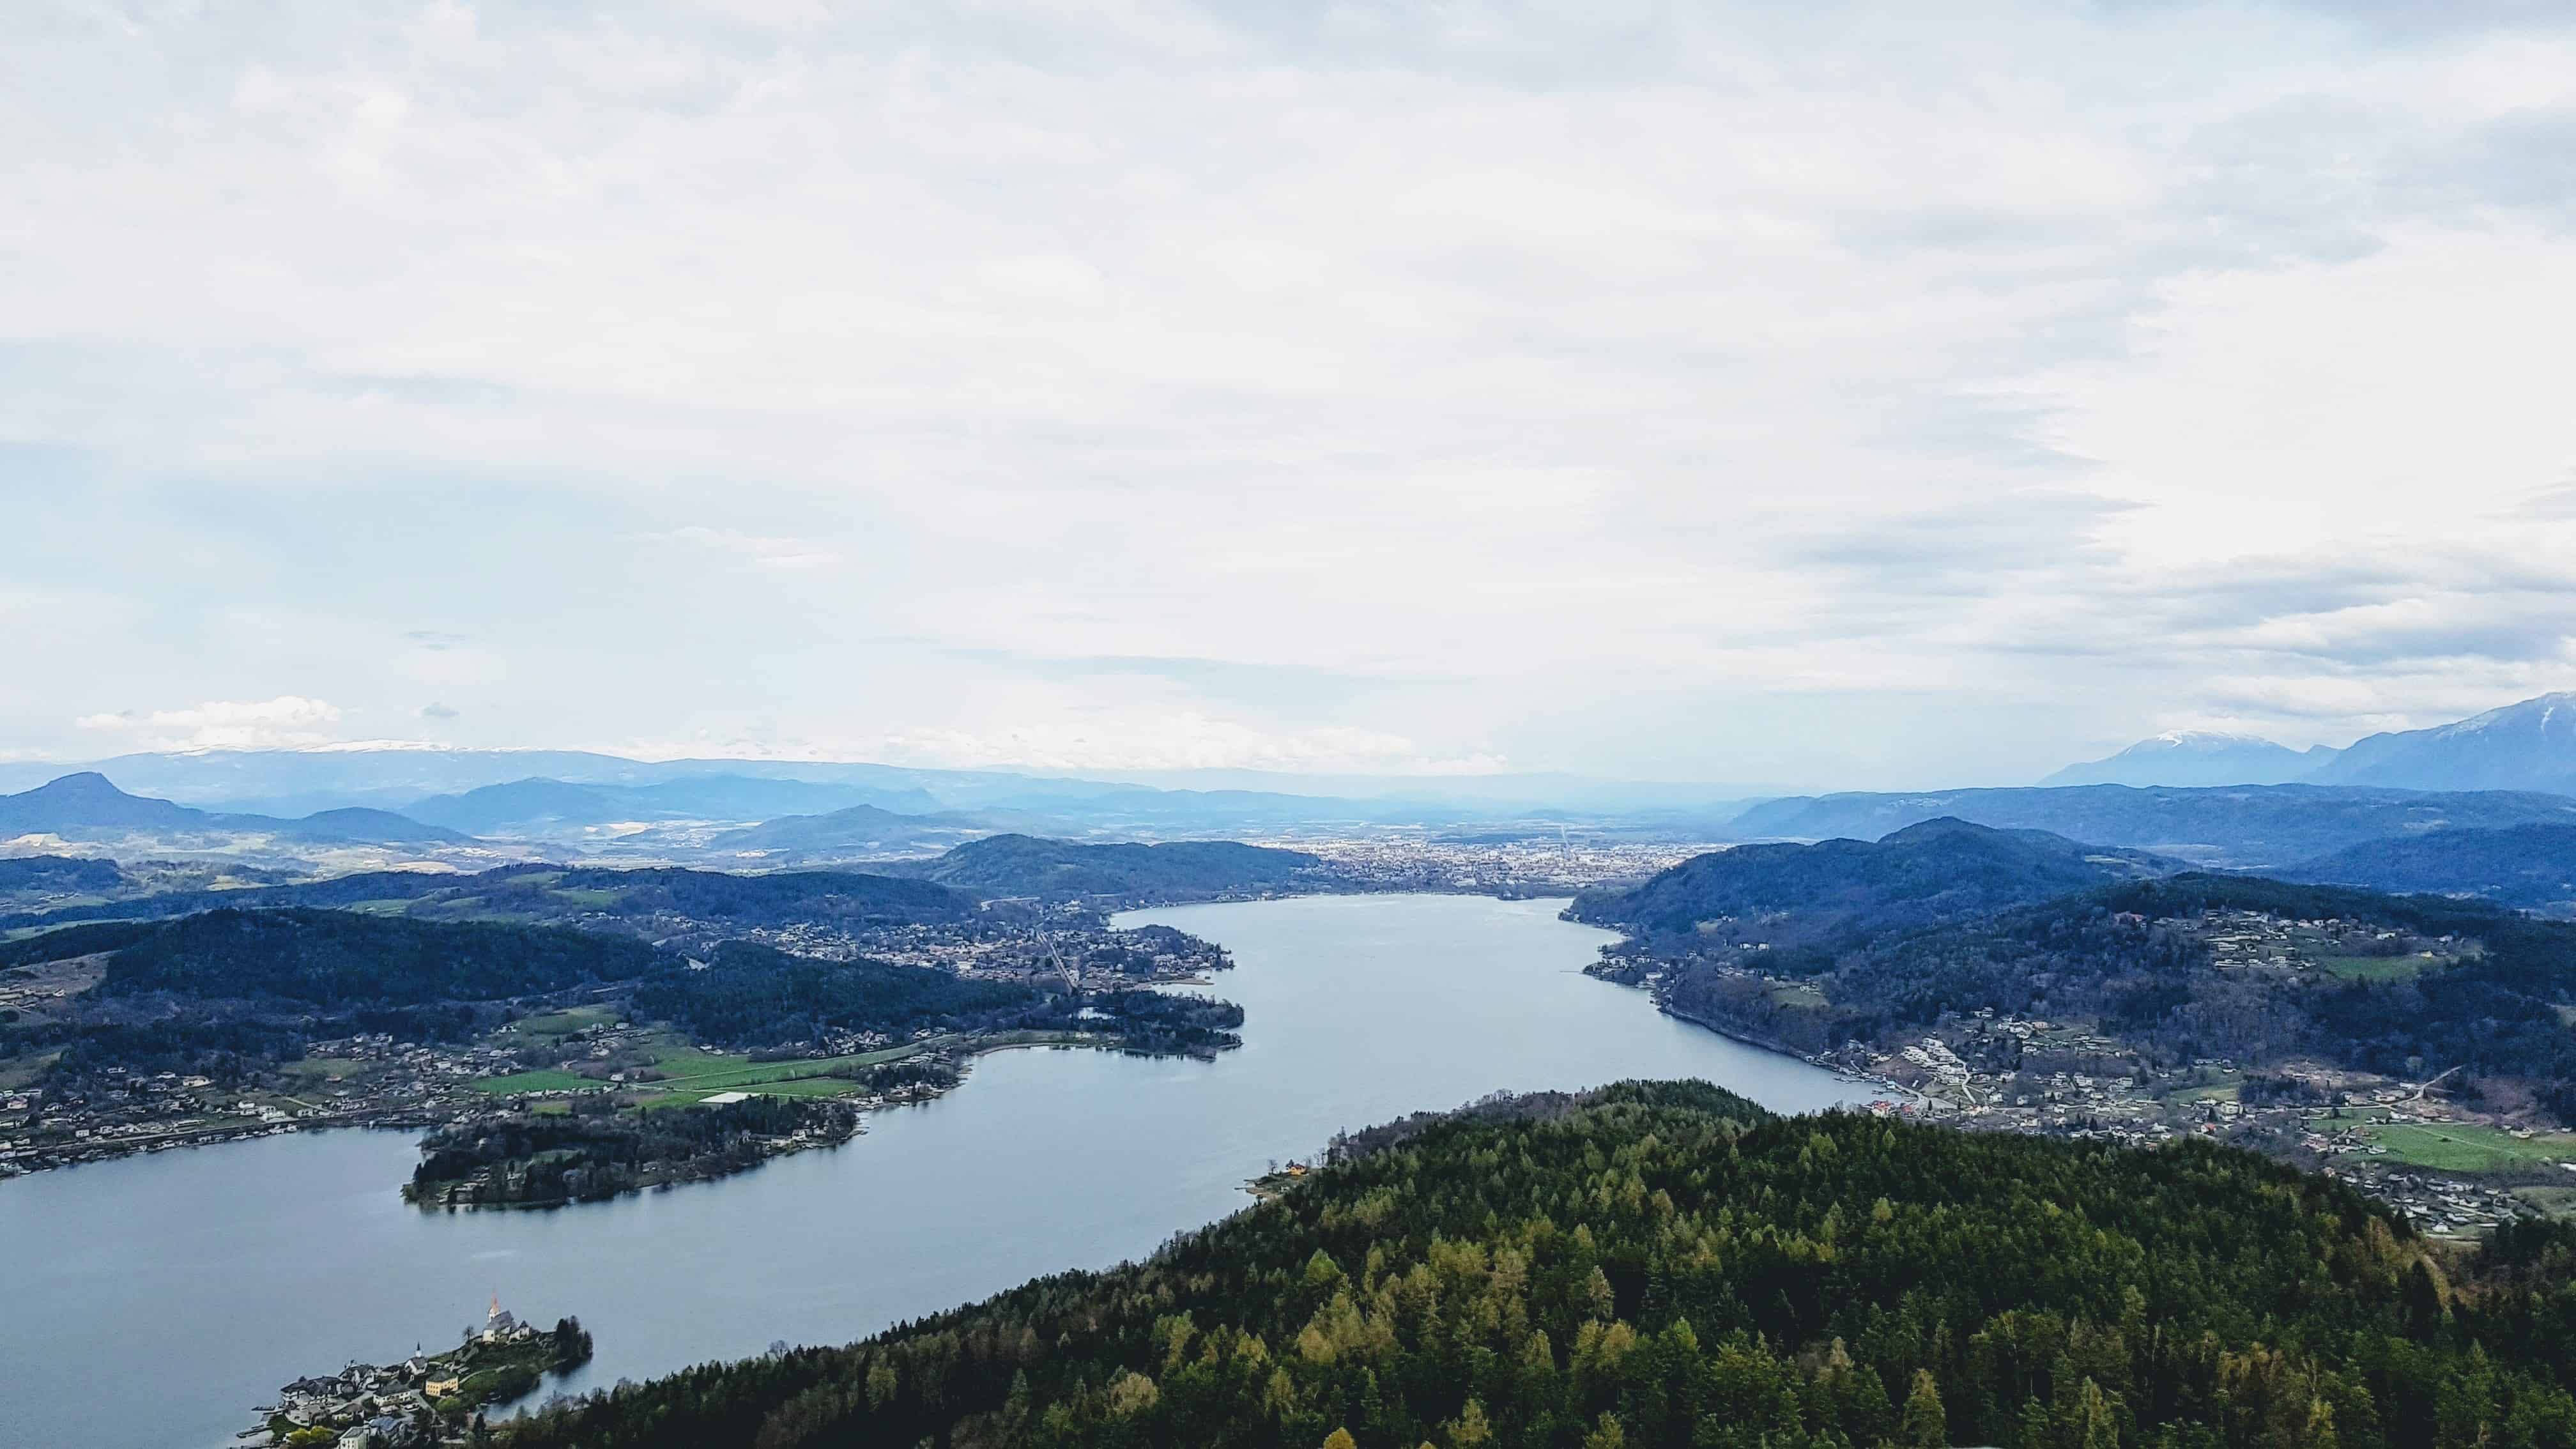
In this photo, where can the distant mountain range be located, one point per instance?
(2525, 746)
(2198, 757)
(2247, 827)
(860, 831)
(2213, 799)
(520, 792)
(536, 804)
(87, 807)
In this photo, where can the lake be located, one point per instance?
(153, 1301)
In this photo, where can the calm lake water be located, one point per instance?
(153, 1301)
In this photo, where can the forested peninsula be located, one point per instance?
(1670, 1265)
(561, 1028)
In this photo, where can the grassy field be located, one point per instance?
(2464, 1147)
(811, 1077)
(691, 1074)
(20, 1071)
(688, 1081)
(2557, 1202)
(2228, 1090)
(2372, 968)
(544, 1081)
(565, 1023)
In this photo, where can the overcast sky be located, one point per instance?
(1796, 395)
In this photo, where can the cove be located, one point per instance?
(154, 1300)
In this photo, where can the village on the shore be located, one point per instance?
(426, 1399)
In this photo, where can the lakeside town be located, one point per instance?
(48, 1121)
(51, 1119)
(2453, 1171)
(426, 1399)
(1508, 864)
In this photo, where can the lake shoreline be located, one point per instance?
(1051, 1163)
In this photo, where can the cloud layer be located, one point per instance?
(1838, 394)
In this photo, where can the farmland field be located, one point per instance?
(2467, 1147)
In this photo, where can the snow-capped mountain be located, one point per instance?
(2198, 758)
(2526, 746)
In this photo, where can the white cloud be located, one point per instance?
(789, 555)
(1620, 387)
(1136, 742)
(286, 721)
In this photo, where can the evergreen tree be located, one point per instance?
(1924, 1425)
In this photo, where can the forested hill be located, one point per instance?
(336, 958)
(2251, 826)
(1666, 1265)
(2531, 866)
(548, 893)
(1026, 865)
(1923, 873)
(2479, 988)
(41, 875)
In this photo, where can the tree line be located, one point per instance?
(1668, 1265)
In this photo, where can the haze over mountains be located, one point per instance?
(88, 807)
(2198, 757)
(2252, 826)
(2526, 746)
(536, 803)
(2485, 806)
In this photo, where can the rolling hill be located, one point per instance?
(1926, 872)
(2252, 826)
(536, 804)
(1666, 1264)
(1025, 865)
(87, 806)
(547, 894)
(859, 830)
(2529, 866)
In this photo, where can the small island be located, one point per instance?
(427, 1399)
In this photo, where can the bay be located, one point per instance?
(155, 1300)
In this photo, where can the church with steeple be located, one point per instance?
(500, 1324)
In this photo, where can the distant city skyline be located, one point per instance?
(1854, 396)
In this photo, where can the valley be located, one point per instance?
(572, 1035)
(1040, 1161)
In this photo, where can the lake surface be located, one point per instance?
(154, 1301)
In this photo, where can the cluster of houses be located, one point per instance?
(388, 1406)
(116, 1112)
(2444, 1205)
(1544, 864)
(2251, 938)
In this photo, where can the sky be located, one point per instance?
(1831, 395)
